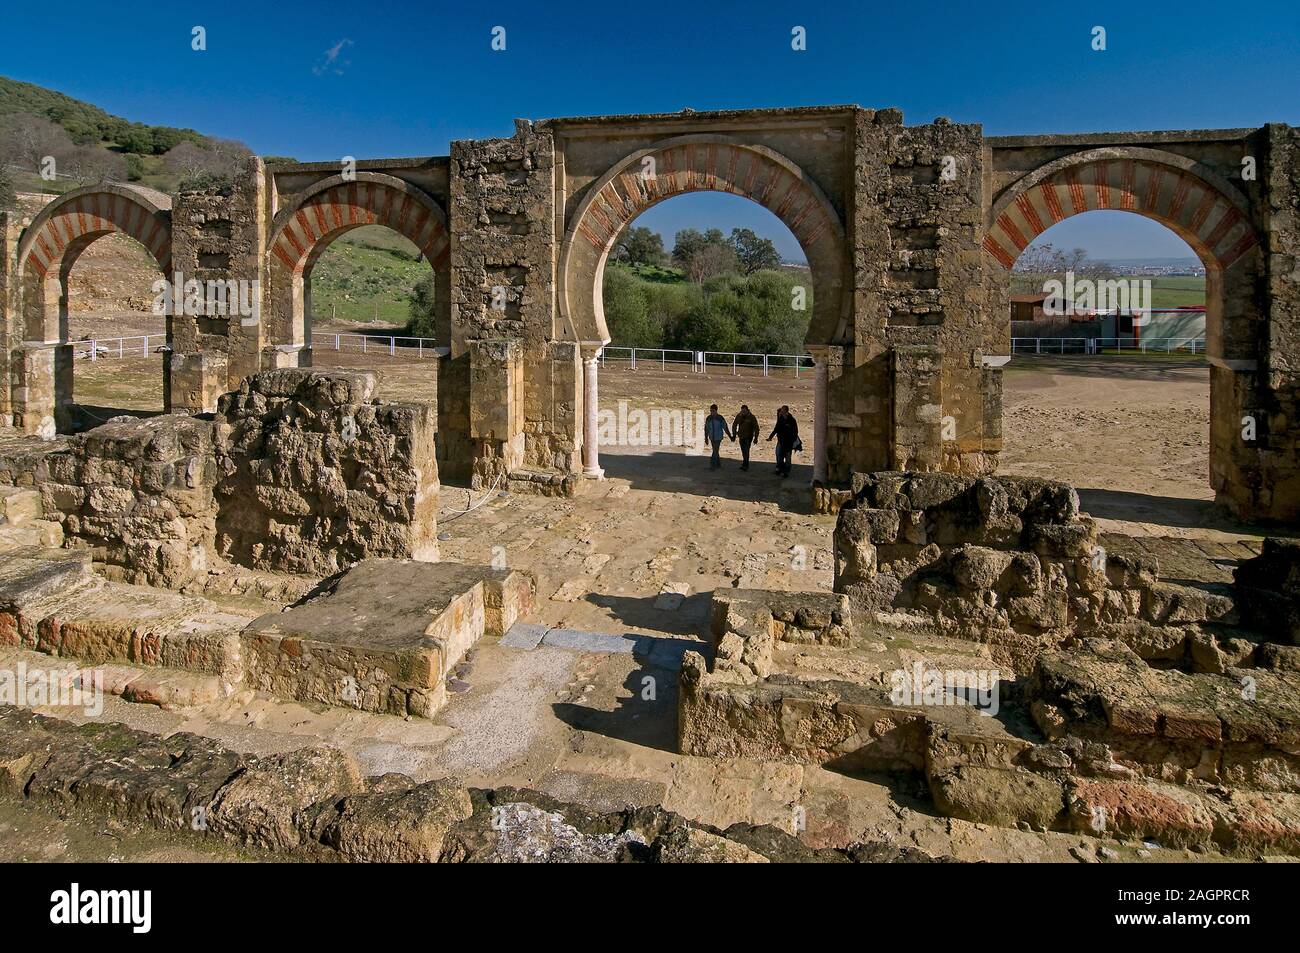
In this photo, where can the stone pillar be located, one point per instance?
(10, 317)
(590, 415)
(918, 408)
(42, 393)
(496, 418)
(820, 415)
(192, 382)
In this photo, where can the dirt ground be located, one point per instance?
(1131, 433)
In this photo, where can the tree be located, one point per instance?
(754, 253)
(711, 259)
(201, 167)
(708, 326)
(8, 198)
(640, 246)
(88, 165)
(1039, 264)
(26, 141)
(424, 317)
(689, 241)
(627, 312)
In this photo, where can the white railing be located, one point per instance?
(379, 345)
(1195, 345)
(139, 345)
(702, 362)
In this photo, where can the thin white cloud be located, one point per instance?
(330, 62)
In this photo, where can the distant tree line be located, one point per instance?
(89, 125)
(1039, 264)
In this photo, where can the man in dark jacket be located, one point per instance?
(786, 433)
(745, 428)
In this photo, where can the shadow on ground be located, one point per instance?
(90, 416)
(680, 472)
(690, 618)
(1171, 511)
(647, 716)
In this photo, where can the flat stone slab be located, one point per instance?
(525, 635)
(385, 637)
(581, 641)
(652, 651)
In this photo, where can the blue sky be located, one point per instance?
(406, 78)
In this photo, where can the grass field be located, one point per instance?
(1175, 291)
(366, 275)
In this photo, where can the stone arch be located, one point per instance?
(693, 164)
(65, 228)
(301, 233)
(1202, 208)
(42, 366)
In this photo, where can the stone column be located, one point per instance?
(590, 414)
(820, 415)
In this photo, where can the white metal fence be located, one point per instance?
(1126, 345)
(705, 362)
(379, 345)
(139, 345)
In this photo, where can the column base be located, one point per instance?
(593, 473)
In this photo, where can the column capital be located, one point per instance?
(590, 350)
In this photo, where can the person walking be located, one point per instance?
(715, 429)
(786, 433)
(745, 428)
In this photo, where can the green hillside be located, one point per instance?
(366, 275)
(90, 125)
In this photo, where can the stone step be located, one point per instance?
(386, 636)
(166, 689)
(51, 602)
(19, 505)
(39, 533)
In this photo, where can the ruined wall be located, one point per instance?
(1261, 478)
(301, 471)
(503, 287)
(919, 314)
(1012, 562)
(316, 474)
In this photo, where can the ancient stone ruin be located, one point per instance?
(272, 539)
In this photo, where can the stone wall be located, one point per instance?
(503, 288)
(217, 235)
(301, 471)
(315, 803)
(1010, 561)
(315, 474)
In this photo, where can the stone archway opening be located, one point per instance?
(49, 250)
(1208, 214)
(699, 163)
(708, 298)
(305, 231)
(1108, 387)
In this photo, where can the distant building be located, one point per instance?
(1027, 307)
